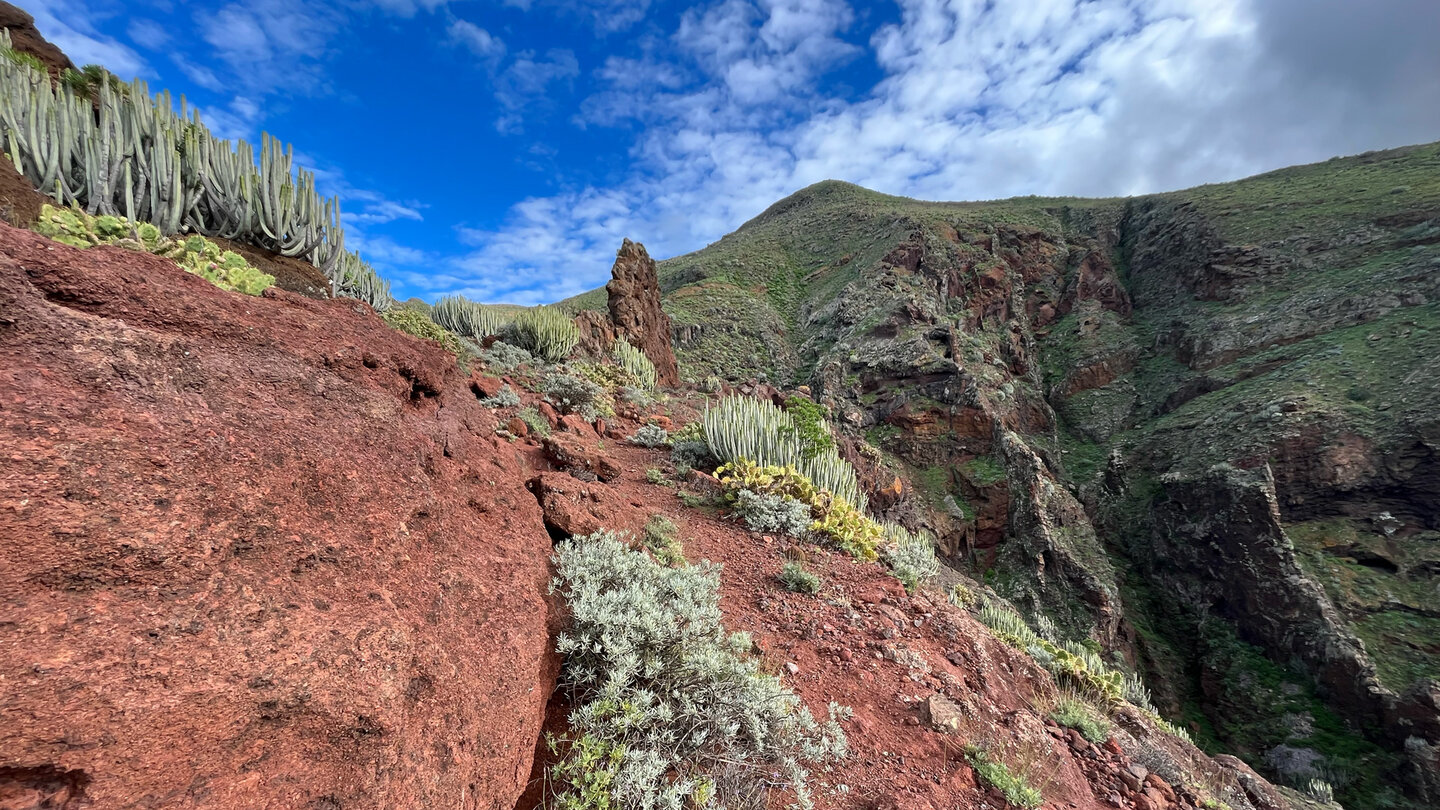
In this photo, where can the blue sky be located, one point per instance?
(503, 149)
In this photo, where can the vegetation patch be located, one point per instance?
(636, 364)
(650, 436)
(755, 430)
(662, 537)
(910, 557)
(545, 332)
(1015, 787)
(195, 254)
(670, 710)
(416, 323)
(795, 578)
(834, 517)
(1071, 712)
(534, 420)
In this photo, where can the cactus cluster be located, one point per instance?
(740, 427)
(636, 363)
(546, 332)
(195, 254)
(114, 150)
(469, 319)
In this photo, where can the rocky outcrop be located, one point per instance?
(1220, 547)
(634, 302)
(597, 333)
(1219, 544)
(249, 562)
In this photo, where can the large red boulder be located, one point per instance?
(254, 552)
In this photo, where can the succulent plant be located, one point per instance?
(546, 332)
(196, 254)
(469, 319)
(739, 427)
(636, 363)
(114, 149)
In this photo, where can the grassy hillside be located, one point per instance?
(1287, 325)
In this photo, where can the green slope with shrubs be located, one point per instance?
(1291, 319)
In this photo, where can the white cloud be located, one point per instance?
(379, 212)
(477, 40)
(978, 100)
(67, 24)
(147, 33)
(237, 120)
(383, 252)
(408, 8)
(199, 74)
(523, 90)
(270, 45)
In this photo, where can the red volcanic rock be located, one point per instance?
(484, 386)
(575, 507)
(258, 552)
(634, 298)
(597, 333)
(570, 454)
(574, 423)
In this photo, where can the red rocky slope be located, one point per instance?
(268, 552)
(254, 552)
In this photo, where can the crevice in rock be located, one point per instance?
(43, 786)
(421, 389)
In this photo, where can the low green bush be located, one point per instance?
(810, 426)
(1016, 789)
(504, 398)
(670, 710)
(795, 578)
(911, 557)
(1077, 714)
(504, 357)
(775, 514)
(650, 436)
(534, 420)
(570, 394)
(195, 254)
(662, 537)
(415, 323)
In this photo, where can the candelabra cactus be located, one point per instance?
(545, 332)
(740, 427)
(116, 150)
(634, 361)
(467, 318)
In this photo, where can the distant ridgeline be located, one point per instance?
(93, 142)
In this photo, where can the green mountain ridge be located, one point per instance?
(1247, 365)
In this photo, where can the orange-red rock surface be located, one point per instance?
(254, 552)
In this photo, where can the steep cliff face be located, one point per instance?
(1056, 381)
(258, 552)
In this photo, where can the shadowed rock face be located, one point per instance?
(249, 561)
(634, 302)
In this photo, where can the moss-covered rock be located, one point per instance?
(195, 254)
